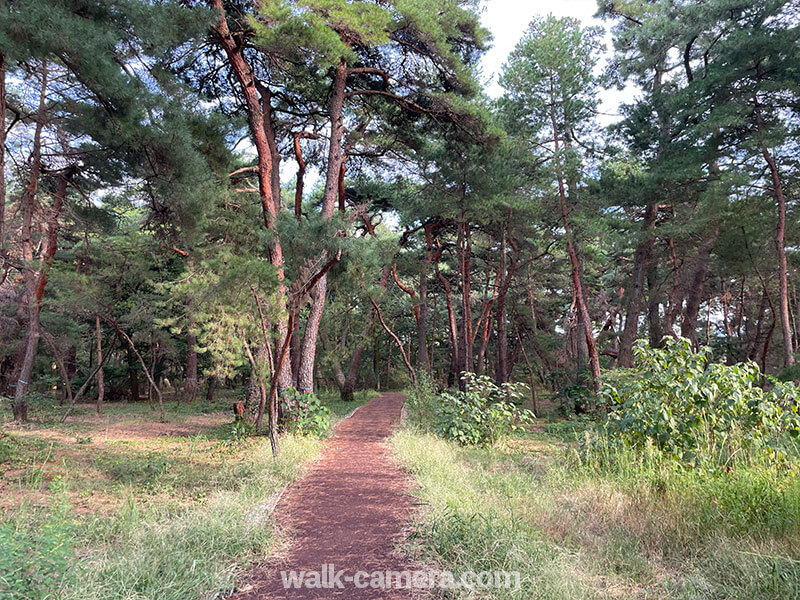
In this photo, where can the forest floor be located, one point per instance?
(126, 506)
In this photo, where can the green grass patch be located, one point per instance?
(125, 507)
(621, 529)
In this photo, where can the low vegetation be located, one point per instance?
(123, 506)
(608, 507)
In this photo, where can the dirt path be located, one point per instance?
(348, 511)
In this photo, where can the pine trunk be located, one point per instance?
(101, 387)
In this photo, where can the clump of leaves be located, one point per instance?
(304, 413)
(694, 410)
(483, 414)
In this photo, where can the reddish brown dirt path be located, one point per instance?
(349, 511)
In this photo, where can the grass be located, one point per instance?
(622, 529)
(125, 507)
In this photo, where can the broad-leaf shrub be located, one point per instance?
(304, 413)
(692, 409)
(482, 414)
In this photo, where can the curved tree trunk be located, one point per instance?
(305, 372)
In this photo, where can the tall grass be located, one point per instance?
(194, 552)
(621, 527)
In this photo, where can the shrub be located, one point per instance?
(304, 413)
(482, 414)
(695, 410)
(422, 402)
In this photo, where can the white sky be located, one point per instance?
(508, 19)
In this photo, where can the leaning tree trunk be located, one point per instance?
(260, 125)
(305, 372)
(27, 201)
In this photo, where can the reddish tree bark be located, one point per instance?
(260, 125)
(577, 284)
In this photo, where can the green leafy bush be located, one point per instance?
(304, 413)
(482, 414)
(36, 559)
(692, 409)
(422, 402)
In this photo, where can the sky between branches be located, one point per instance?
(508, 20)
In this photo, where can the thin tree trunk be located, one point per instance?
(101, 388)
(397, 341)
(423, 359)
(783, 273)
(77, 397)
(62, 369)
(453, 328)
(501, 375)
(577, 285)
(133, 377)
(466, 356)
(191, 385)
(153, 385)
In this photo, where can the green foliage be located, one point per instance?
(38, 558)
(422, 402)
(483, 414)
(241, 430)
(8, 447)
(575, 399)
(689, 408)
(576, 530)
(304, 414)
